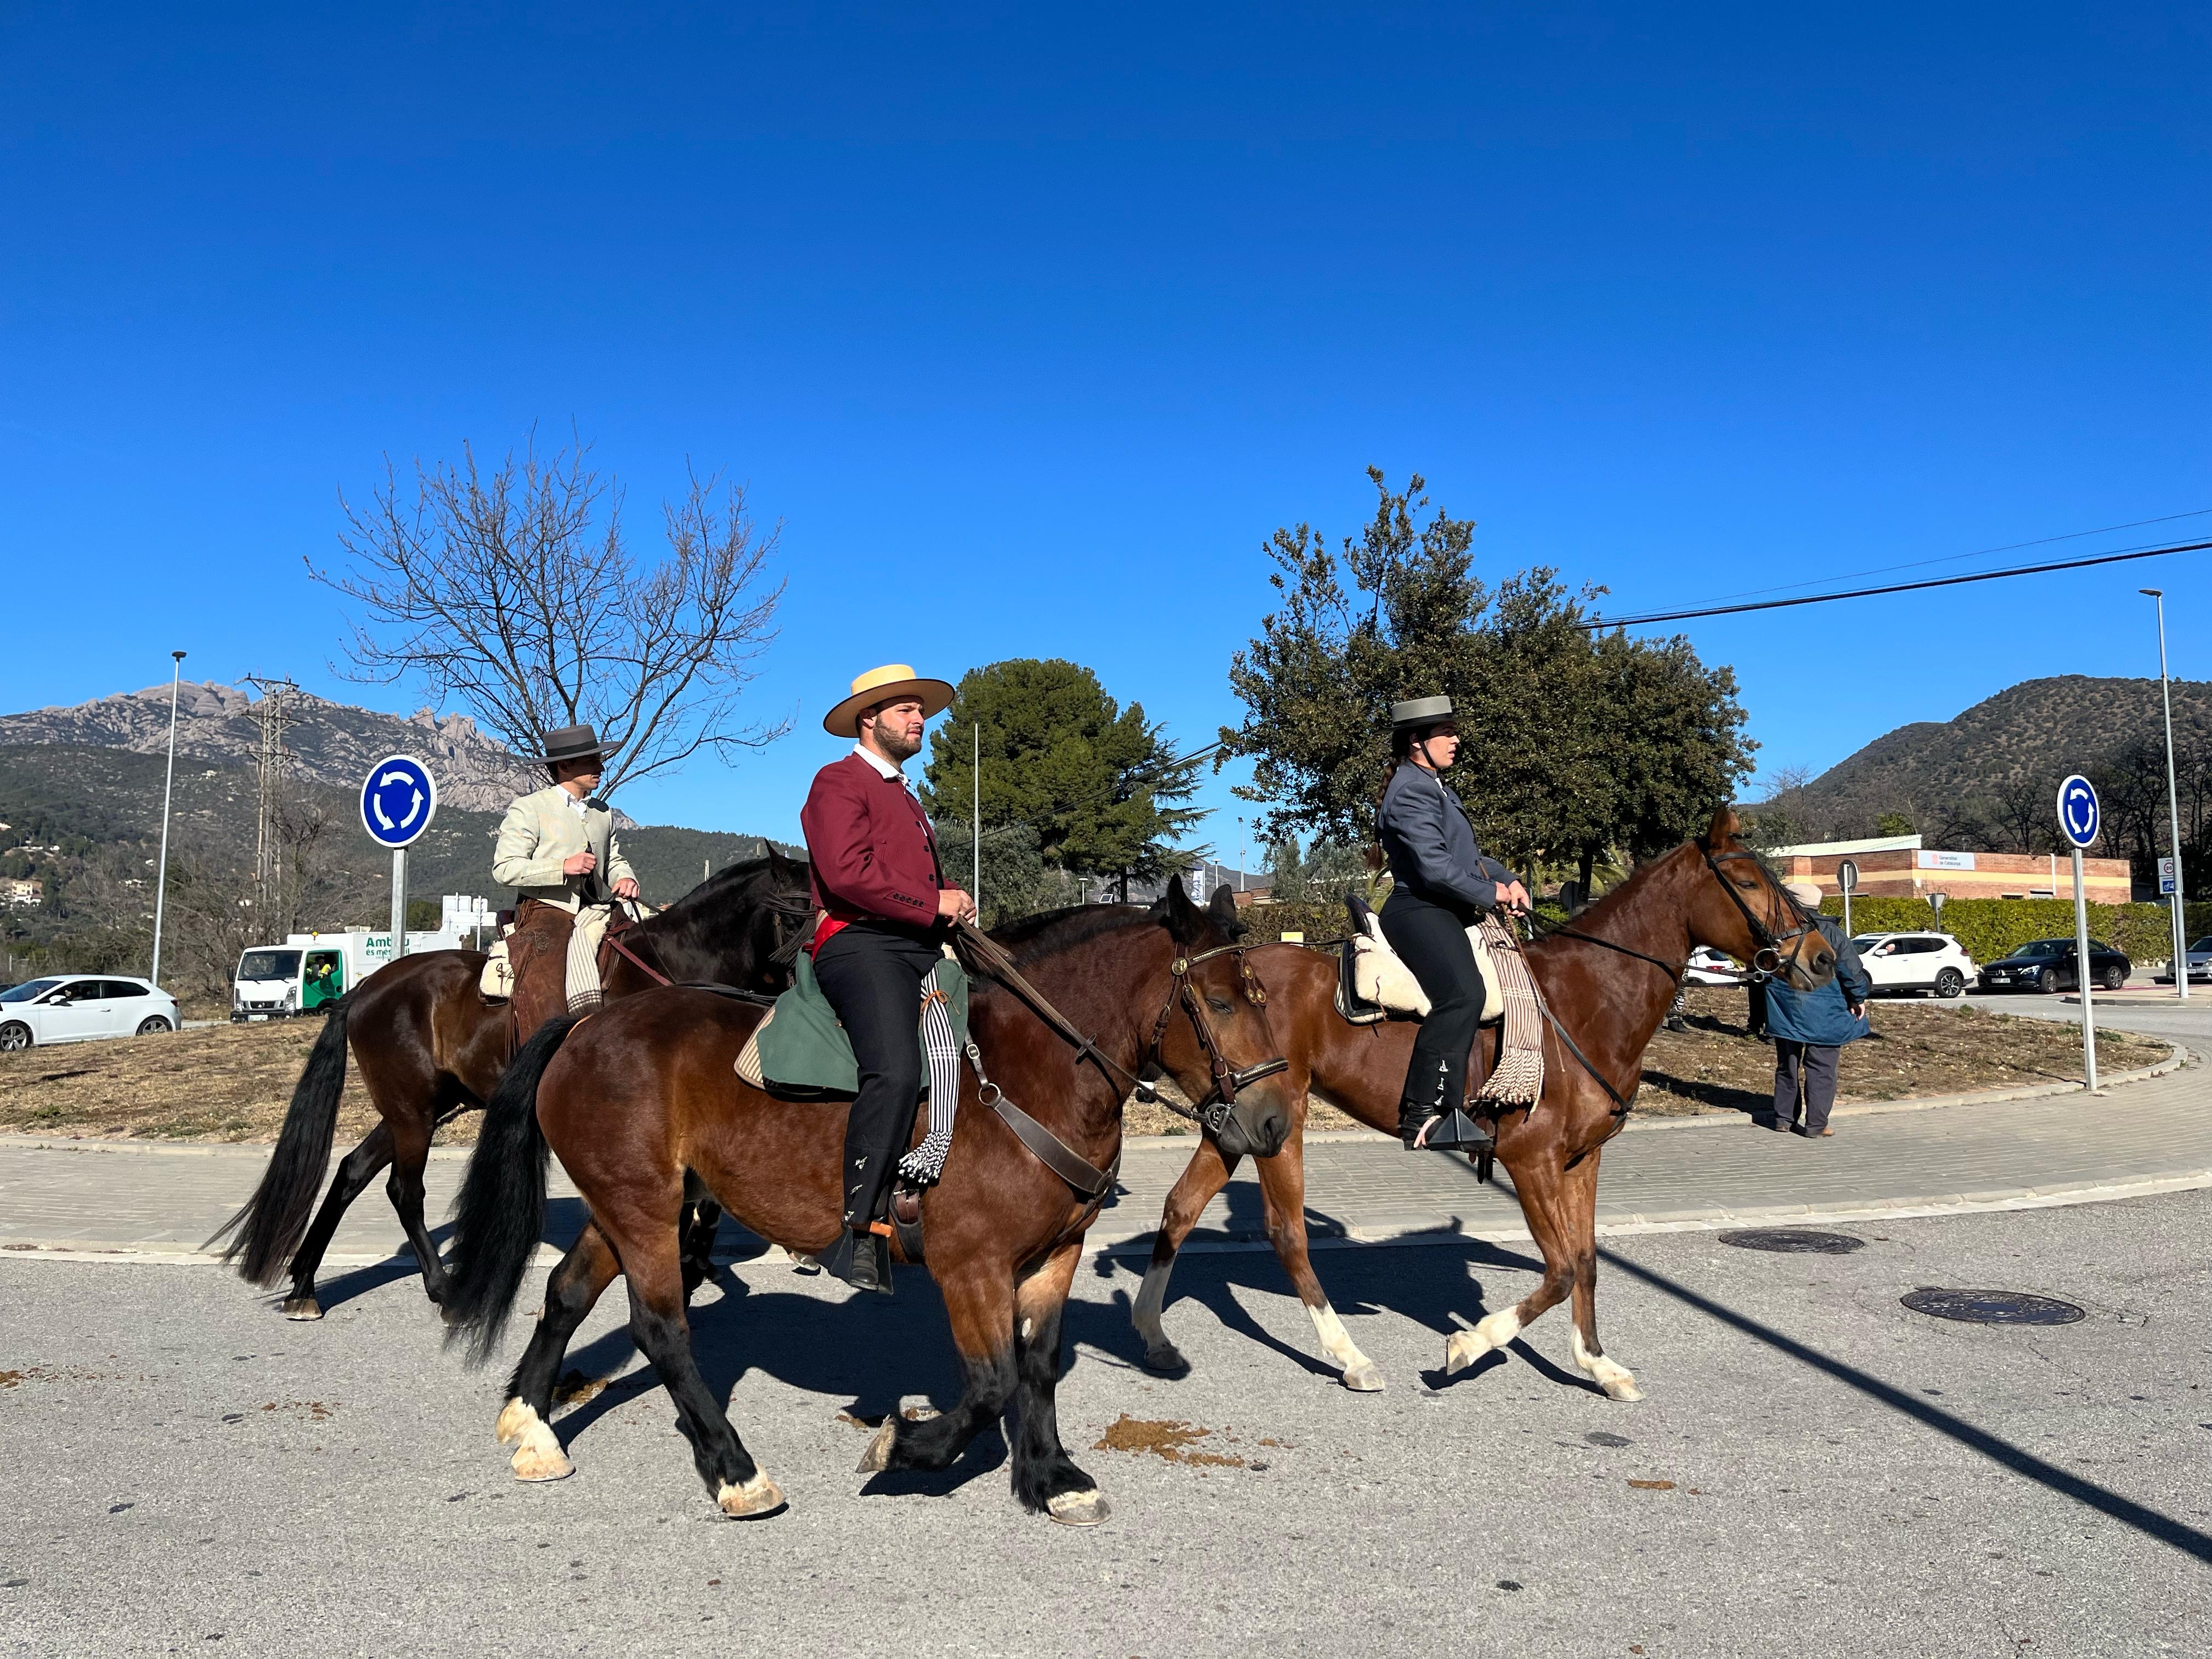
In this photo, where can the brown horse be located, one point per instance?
(1608, 977)
(646, 1091)
(430, 1047)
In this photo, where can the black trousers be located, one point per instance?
(1814, 1065)
(872, 977)
(1431, 940)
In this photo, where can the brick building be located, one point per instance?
(1899, 866)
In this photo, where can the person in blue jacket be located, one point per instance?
(1441, 883)
(1811, 1028)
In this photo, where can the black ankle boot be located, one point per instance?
(862, 1260)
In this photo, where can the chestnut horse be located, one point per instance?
(1608, 977)
(647, 1091)
(429, 1048)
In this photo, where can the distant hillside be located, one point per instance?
(2039, 730)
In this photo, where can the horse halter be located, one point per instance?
(1215, 1107)
(1767, 957)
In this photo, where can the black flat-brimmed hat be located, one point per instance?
(573, 743)
(1421, 711)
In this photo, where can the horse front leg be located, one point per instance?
(979, 1301)
(1580, 1199)
(525, 1422)
(1045, 1477)
(1283, 1195)
(1207, 1172)
(410, 1157)
(1541, 1181)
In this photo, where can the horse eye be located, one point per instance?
(1218, 1004)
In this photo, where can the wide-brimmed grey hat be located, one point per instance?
(1421, 711)
(573, 743)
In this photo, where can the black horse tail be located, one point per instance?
(500, 1213)
(269, 1229)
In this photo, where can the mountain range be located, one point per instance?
(1935, 771)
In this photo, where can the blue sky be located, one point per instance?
(1030, 326)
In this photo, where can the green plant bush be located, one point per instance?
(1991, 928)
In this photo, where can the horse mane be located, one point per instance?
(1051, 931)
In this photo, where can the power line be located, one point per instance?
(1596, 623)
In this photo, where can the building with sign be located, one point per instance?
(1899, 866)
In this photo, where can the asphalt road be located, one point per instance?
(2160, 1014)
(1822, 1470)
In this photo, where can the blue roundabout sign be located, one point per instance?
(2080, 817)
(397, 800)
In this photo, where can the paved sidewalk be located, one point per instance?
(2150, 1135)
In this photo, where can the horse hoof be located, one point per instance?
(303, 1307)
(1620, 1388)
(1167, 1360)
(1076, 1509)
(1464, 1348)
(1365, 1377)
(878, 1457)
(539, 1457)
(759, 1497)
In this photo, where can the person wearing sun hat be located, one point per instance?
(885, 908)
(1810, 1028)
(558, 850)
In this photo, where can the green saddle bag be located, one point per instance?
(802, 1046)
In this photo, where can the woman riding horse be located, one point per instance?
(1442, 881)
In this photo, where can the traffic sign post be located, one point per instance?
(399, 799)
(1847, 879)
(2080, 817)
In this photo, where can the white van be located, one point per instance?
(275, 982)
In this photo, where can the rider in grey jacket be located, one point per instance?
(1441, 882)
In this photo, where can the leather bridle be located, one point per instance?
(1768, 955)
(1214, 1107)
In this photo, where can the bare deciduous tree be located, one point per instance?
(514, 592)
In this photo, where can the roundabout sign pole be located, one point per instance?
(2080, 817)
(399, 799)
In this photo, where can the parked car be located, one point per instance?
(2200, 964)
(1934, 962)
(1707, 966)
(82, 1008)
(2048, 964)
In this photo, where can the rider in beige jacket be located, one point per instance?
(557, 850)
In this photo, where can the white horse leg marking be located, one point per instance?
(1361, 1374)
(537, 1456)
(758, 1496)
(1617, 1380)
(1465, 1347)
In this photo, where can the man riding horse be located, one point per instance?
(557, 849)
(886, 909)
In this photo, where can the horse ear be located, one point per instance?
(1175, 909)
(1724, 828)
(1223, 908)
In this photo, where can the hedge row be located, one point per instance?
(1989, 928)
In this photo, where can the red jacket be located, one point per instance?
(874, 854)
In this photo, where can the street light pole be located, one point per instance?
(2173, 805)
(168, 788)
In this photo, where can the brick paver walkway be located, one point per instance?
(2147, 1135)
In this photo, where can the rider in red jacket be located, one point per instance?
(886, 908)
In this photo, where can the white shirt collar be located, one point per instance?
(877, 760)
(575, 802)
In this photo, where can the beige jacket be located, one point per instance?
(543, 831)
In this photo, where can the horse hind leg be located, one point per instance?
(1045, 1477)
(742, 1488)
(524, 1421)
(980, 1305)
(355, 1171)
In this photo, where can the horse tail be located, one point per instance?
(501, 1212)
(269, 1229)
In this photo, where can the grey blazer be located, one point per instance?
(1431, 845)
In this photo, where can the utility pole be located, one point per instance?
(268, 843)
(2173, 807)
(168, 789)
(976, 814)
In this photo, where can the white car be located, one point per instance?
(1934, 962)
(1707, 966)
(82, 1008)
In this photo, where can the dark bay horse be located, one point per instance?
(429, 1048)
(1709, 892)
(646, 1091)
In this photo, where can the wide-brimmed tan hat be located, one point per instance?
(885, 684)
(1806, 893)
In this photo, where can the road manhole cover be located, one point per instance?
(1991, 1307)
(1793, 1241)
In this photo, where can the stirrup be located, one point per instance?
(862, 1260)
(1455, 1131)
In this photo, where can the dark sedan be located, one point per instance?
(2048, 964)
